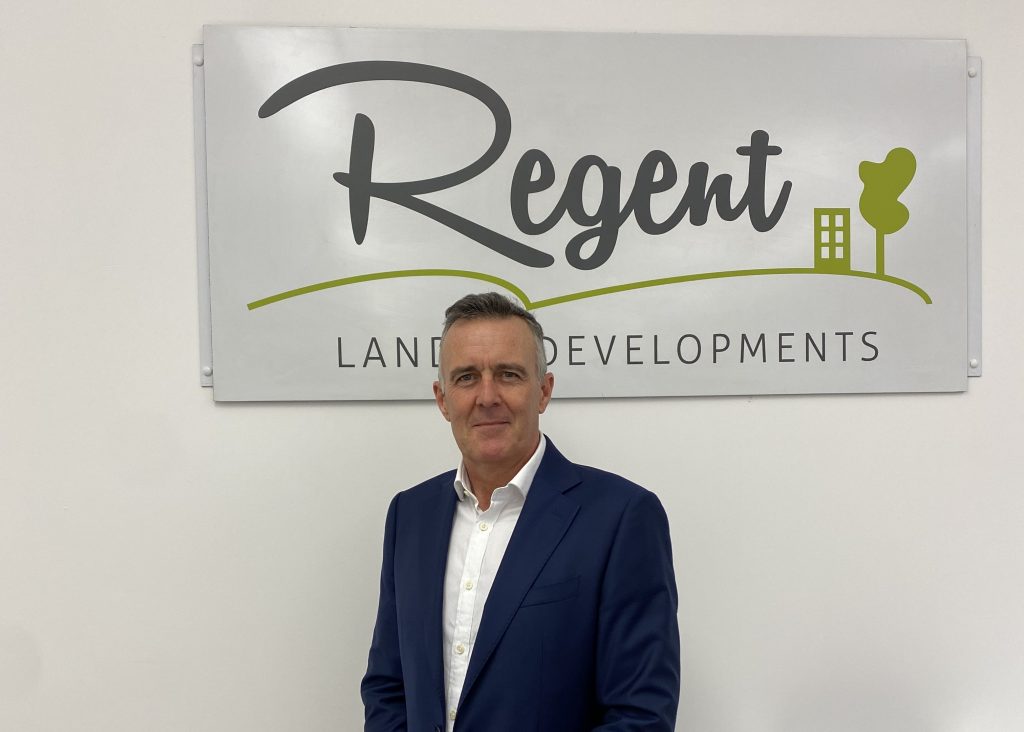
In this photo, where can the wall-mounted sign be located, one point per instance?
(684, 214)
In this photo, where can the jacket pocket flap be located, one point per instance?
(552, 593)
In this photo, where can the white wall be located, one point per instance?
(171, 564)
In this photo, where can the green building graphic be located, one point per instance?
(832, 239)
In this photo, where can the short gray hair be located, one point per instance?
(492, 305)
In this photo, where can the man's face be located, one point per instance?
(492, 394)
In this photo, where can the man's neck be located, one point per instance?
(484, 480)
(485, 483)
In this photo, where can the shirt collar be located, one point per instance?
(522, 480)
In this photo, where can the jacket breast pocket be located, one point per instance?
(544, 594)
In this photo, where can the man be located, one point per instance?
(522, 592)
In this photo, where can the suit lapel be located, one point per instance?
(434, 547)
(545, 517)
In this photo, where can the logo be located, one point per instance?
(701, 195)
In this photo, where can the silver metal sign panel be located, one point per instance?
(684, 214)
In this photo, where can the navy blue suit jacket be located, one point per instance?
(579, 631)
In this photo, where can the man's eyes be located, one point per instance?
(469, 378)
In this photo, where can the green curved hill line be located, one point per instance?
(599, 292)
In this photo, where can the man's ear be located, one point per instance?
(547, 384)
(439, 398)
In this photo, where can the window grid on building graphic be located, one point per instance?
(832, 239)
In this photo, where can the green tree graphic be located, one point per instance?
(879, 204)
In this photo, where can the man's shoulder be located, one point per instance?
(604, 494)
(609, 483)
(429, 489)
(597, 484)
(590, 473)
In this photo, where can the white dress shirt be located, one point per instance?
(475, 549)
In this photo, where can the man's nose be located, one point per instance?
(487, 395)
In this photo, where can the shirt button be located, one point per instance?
(469, 585)
(460, 649)
(451, 715)
(484, 526)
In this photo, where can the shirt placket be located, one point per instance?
(468, 585)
